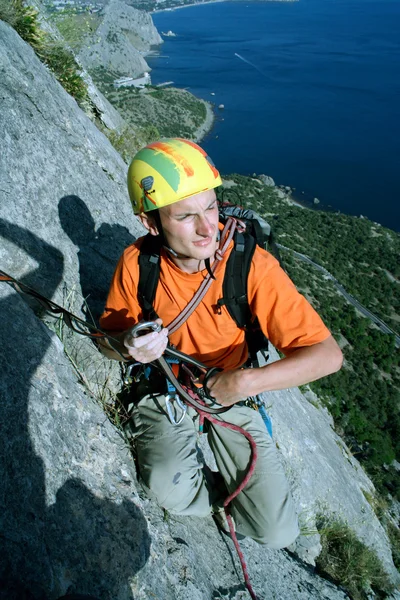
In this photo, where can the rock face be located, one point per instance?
(72, 517)
(267, 180)
(121, 40)
(108, 115)
(102, 107)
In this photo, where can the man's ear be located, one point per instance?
(149, 223)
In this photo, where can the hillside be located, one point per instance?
(111, 44)
(363, 257)
(147, 5)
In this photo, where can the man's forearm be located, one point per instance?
(301, 366)
(304, 365)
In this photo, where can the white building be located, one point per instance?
(139, 82)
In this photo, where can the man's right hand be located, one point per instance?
(147, 347)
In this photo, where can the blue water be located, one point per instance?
(313, 100)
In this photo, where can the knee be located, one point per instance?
(176, 490)
(277, 537)
(276, 534)
(276, 527)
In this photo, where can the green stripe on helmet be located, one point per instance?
(163, 164)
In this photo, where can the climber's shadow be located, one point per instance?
(99, 251)
(53, 541)
(116, 541)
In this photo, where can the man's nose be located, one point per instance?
(204, 226)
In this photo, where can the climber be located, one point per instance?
(172, 188)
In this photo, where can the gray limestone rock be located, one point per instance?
(267, 180)
(120, 41)
(72, 516)
(326, 479)
(103, 108)
(61, 179)
(108, 115)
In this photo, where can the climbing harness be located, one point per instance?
(197, 399)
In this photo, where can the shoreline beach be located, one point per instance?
(208, 124)
(153, 12)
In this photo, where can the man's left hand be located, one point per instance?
(228, 387)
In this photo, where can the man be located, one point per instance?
(172, 187)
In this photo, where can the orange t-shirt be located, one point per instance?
(211, 336)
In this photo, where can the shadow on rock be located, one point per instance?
(99, 251)
(95, 545)
(79, 544)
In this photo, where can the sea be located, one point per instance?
(310, 90)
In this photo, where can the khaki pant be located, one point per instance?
(169, 467)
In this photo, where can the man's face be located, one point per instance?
(190, 226)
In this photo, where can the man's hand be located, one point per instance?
(301, 366)
(147, 347)
(228, 387)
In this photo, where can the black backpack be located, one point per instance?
(258, 232)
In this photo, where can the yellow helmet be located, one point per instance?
(168, 171)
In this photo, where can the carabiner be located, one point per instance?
(170, 410)
(127, 379)
(152, 325)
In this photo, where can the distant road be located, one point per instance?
(381, 324)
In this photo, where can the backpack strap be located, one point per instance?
(235, 294)
(235, 281)
(149, 274)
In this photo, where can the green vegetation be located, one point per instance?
(394, 536)
(128, 141)
(24, 19)
(76, 25)
(349, 562)
(62, 63)
(151, 5)
(170, 111)
(381, 509)
(364, 397)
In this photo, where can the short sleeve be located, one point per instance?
(122, 309)
(285, 316)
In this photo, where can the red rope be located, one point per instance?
(253, 460)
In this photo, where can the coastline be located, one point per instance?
(208, 124)
(153, 12)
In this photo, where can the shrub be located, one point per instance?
(62, 63)
(128, 141)
(24, 19)
(394, 537)
(348, 562)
